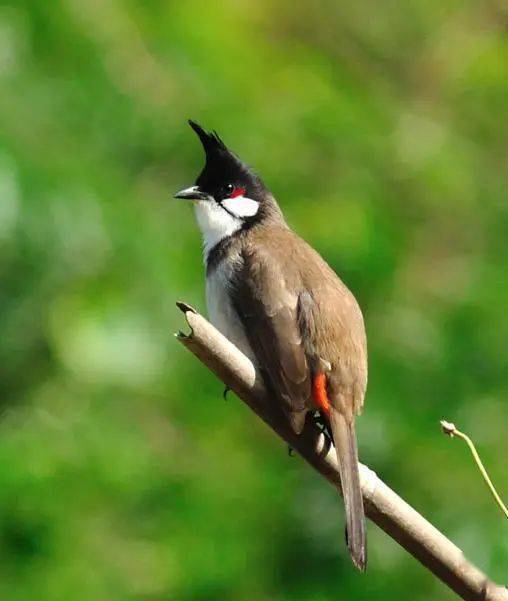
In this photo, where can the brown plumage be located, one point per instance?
(300, 320)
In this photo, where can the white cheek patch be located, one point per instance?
(241, 206)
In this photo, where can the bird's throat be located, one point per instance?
(215, 224)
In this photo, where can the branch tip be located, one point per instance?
(448, 428)
(185, 308)
(451, 430)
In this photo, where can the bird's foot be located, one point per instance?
(225, 393)
(323, 426)
(291, 451)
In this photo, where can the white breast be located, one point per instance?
(221, 312)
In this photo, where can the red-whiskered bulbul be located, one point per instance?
(280, 303)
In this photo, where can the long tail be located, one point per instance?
(344, 439)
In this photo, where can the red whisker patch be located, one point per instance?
(237, 192)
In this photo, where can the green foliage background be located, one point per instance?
(382, 129)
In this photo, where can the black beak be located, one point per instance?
(192, 193)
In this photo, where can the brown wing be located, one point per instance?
(267, 302)
(334, 335)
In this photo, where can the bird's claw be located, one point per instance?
(225, 393)
(322, 426)
(291, 451)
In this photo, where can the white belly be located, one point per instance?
(222, 313)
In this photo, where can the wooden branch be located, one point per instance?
(382, 505)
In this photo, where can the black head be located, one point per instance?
(228, 181)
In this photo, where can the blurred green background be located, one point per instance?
(382, 129)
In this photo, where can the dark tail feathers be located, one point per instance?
(344, 439)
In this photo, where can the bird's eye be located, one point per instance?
(233, 191)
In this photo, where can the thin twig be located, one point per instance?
(450, 430)
(382, 505)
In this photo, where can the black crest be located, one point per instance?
(222, 165)
(218, 155)
(211, 141)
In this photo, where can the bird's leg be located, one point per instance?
(323, 425)
(225, 393)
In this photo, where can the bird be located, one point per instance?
(273, 296)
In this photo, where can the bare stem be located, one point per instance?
(450, 430)
(382, 505)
